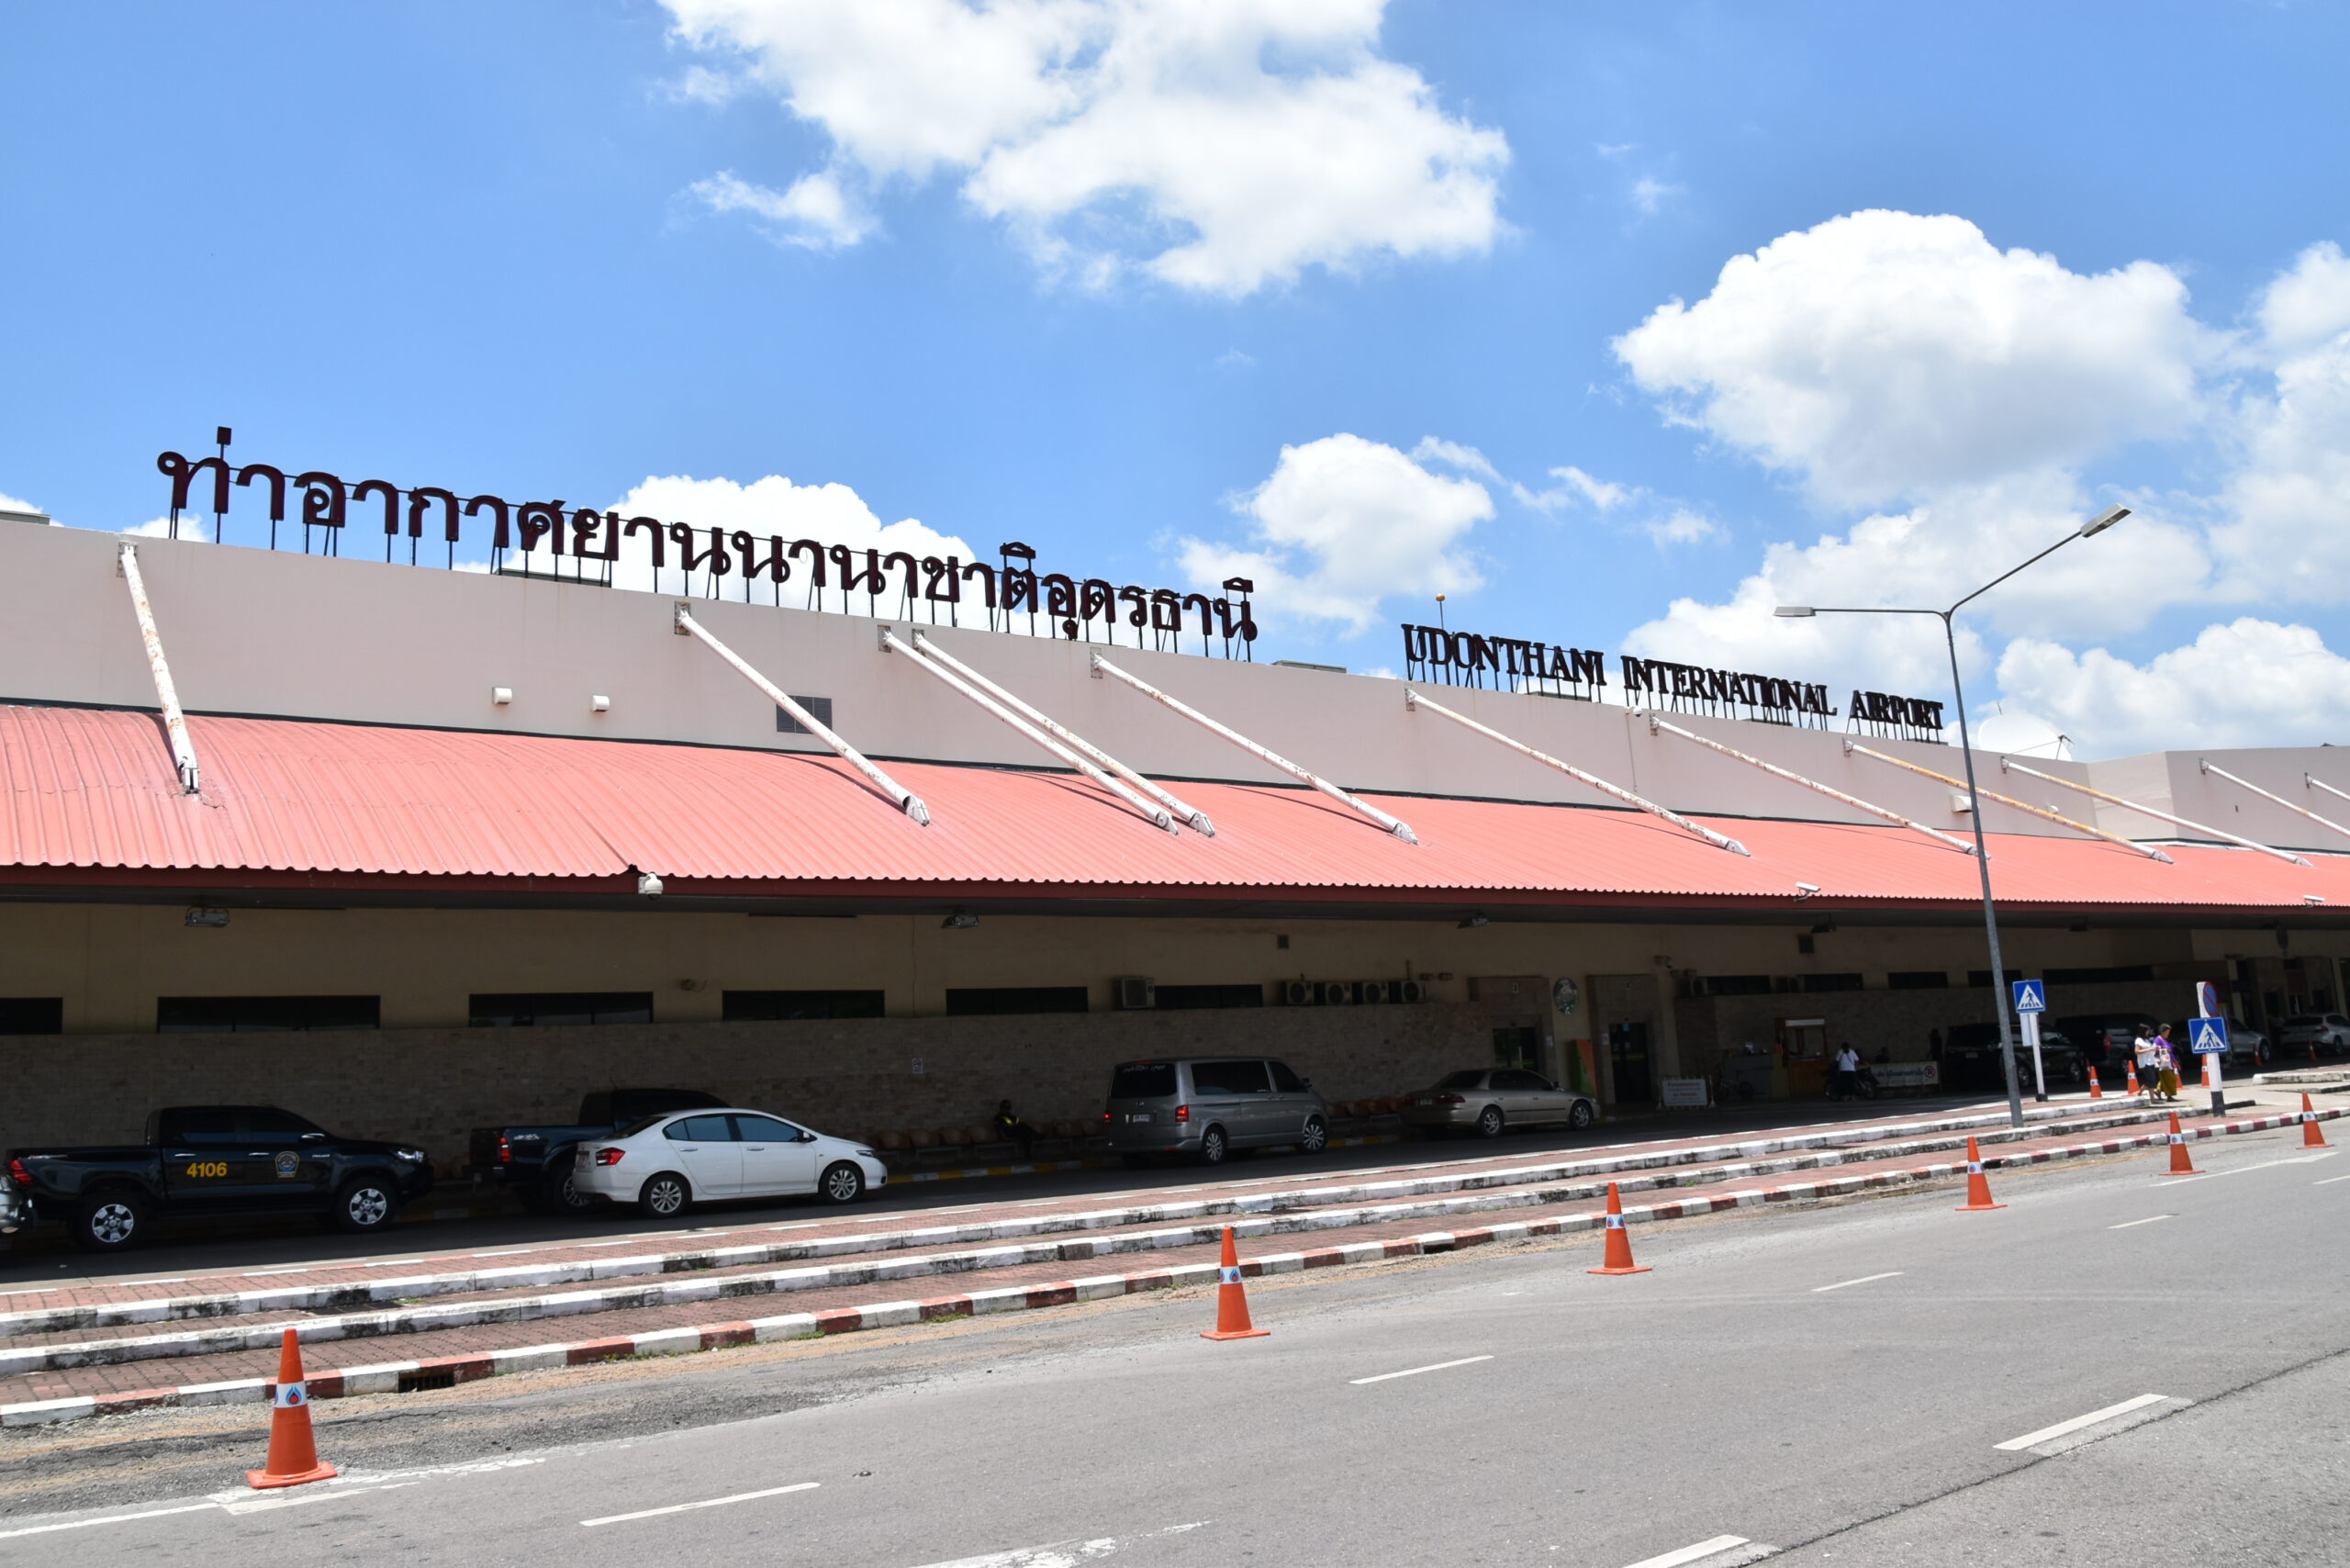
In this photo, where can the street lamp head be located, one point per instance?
(2103, 521)
(1795, 612)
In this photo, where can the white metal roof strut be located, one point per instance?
(166, 694)
(2008, 762)
(2148, 850)
(1156, 816)
(2315, 782)
(1191, 816)
(1414, 700)
(2205, 764)
(1400, 829)
(907, 801)
(1854, 802)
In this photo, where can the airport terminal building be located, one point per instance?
(309, 817)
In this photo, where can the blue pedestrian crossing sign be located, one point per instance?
(2207, 1037)
(2032, 996)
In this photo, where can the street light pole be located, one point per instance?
(2095, 525)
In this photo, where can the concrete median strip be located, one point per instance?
(678, 1289)
(1829, 1144)
(388, 1377)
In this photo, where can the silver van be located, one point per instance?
(1207, 1106)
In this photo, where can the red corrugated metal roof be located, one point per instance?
(94, 792)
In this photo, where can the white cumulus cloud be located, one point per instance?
(2248, 683)
(1216, 145)
(1343, 523)
(1882, 355)
(815, 212)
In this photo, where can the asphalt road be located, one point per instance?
(1834, 1383)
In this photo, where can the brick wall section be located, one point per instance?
(847, 1077)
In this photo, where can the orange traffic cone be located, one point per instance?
(2095, 1092)
(2179, 1164)
(2312, 1138)
(1978, 1186)
(1231, 1301)
(1619, 1259)
(2132, 1068)
(293, 1457)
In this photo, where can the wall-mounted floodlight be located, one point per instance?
(1804, 890)
(199, 915)
(648, 884)
(1795, 612)
(2312, 898)
(1473, 922)
(2103, 521)
(961, 920)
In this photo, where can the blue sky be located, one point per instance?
(1324, 290)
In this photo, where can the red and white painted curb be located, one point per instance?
(387, 1377)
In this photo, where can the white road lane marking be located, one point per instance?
(1060, 1553)
(1863, 1279)
(2267, 1164)
(108, 1520)
(1415, 1371)
(1705, 1549)
(2150, 1219)
(2061, 1429)
(705, 1503)
(2330, 1180)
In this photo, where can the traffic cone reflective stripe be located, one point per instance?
(1619, 1257)
(2095, 1092)
(1231, 1299)
(293, 1456)
(1978, 1186)
(2180, 1165)
(2313, 1137)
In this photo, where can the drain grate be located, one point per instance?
(418, 1382)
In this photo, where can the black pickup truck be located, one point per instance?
(536, 1160)
(208, 1160)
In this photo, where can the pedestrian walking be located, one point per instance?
(1846, 1083)
(2143, 1048)
(2165, 1065)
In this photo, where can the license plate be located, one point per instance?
(1139, 1117)
(1424, 1102)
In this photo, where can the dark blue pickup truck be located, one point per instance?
(535, 1161)
(209, 1160)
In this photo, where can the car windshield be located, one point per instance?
(1462, 1081)
(1143, 1080)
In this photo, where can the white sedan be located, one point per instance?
(665, 1163)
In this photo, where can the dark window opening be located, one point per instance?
(1185, 996)
(1917, 979)
(263, 1015)
(1734, 985)
(819, 708)
(1143, 1080)
(1831, 983)
(766, 1006)
(1980, 980)
(503, 1010)
(974, 1002)
(1242, 1077)
(32, 1015)
(2106, 976)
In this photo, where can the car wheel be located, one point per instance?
(1581, 1117)
(841, 1183)
(109, 1221)
(364, 1206)
(1489, 1122)
(1211, 1147)
(558, 1194)
(664, 1196)
(1315, 1139)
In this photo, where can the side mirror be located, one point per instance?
(1307, 1081)
(805, 1136)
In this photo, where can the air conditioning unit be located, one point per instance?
(1409, 990)
(1374, 990)
(1135, 991)
(1299, 993)
(1335, 993)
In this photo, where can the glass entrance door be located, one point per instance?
(1627, 1052)
(1518, 1045)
